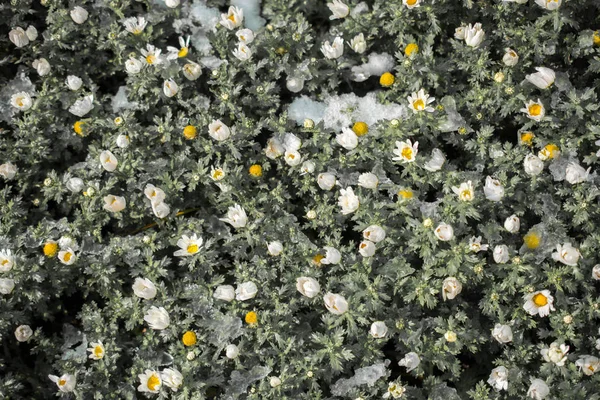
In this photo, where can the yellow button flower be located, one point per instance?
(190, 132)
(597, 38)
(78, 127)
(251, 318)
(387, 79)
(527, 138)
(406, 194)
(317, 259)
(255, 170)
(411, 48)
(532, 240)
(50, 249)
(360, 128)
(189, 338)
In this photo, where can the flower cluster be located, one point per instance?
(289, 199)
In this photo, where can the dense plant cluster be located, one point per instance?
(300, 199)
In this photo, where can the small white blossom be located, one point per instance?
(19, 37)
(23, 333)
(74, 82)
(512, 224)
(347, 139)
(444, 232)
(236, 217)
(499, 378)
(474, 35)
(378, 329)
(218, 130)
(157, 318)
(79, 15)
(566, 254)
(233, 19)
(172, 378)
(556, 353)
(502, 333)
(170, 88)
(308, 286)
(533, 165)
(22, 101)
(224, 292)
(335, 303)
(511, 58)
(451, 287)
(65, 383)
(410, 361)
(144, 288)
(338, 9)
(368, 180)
(333, 50)
(348, 201)
(538, 389)
(493, 189)
(575, 173)
(246, 291)
(358, 43)
(501, 254)
(82, 106)
(42, 66)
(543, 78)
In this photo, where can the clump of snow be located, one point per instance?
(120, 101)
(359, 9)
(375, 66)
(304, 108)
(362, 376)
(342, 111)
(206, 17)
(252, 18)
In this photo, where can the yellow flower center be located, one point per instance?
(407, 153)
(251, 318)
(387, 79)
(20, 101)
(527, 138)
(189, 132)
(136, 31)
(550, 150)
(406, 193)
(255, 170)
(360, 128)
(532, 240)
(50, 249)
(78, 127)
(231, 18)
(183, 52)
(535, 110)
(597, 38)
(150, 58)
(189, 338)
(217, 174)
(411, 48)
(540, 300)
(292, 156)
(317, 259)
(67, 256)
(98, 351)
(419, 105)
(411, 2)
(153, 382)
(192, 248)
(466, 194)
(62, 382)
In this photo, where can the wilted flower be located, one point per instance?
(499, 378)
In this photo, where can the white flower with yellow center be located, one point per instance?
(465, 191)
(245, 35)
(374, 233)
(348, 201)
(419, 101)
(151, 55)
(22, 101)
(308, 286)
(358, 43)
(157, 318)
(394, 390)
(67, 256)
(474, 35)
(274, 148)
(108, 161)
(556, 353)
(182, 51)
(218, 130)
(502, 333)
(543, 78)
(378, 329)
(8, 171)
(444, 232)
(135, 25)
(114, 203)
(154, 194)
(82, 106)
(539, 303)
(476, 246)
(170, 88)
(96, 351)
(588, 364)
(144, 288)
(338, 9)
(233, 18)
(236, 217)
(79, 15)
(366, 248)
(23, 333)
(292, 157)
(493, 189)
(347, 139)
(191, 70)
(242, 52)
(333, 50)
(451, 287)
(172, 378)
(7, 260)
(510, 58)
(188, 245)
(217, 174)
(150, 381)
(549, 5)
(411, 3)
(406, 151)
(566, 254)
(133, 66)
(534, 110)
(65, 383)
(335, 303)
(499, 378)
